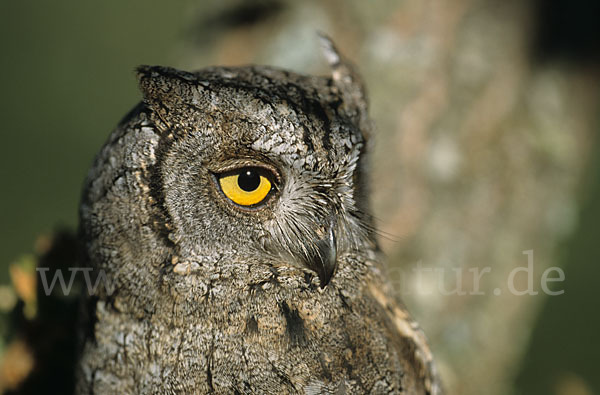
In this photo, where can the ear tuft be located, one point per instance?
(163, 90)
(159, 83)
(151, 81)
(330, 52)
(349, 82)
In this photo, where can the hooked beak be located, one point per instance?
(324, 259)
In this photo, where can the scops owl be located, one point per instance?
(229, 211)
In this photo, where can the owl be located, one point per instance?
(229, 213)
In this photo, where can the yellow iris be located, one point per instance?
(245, 187)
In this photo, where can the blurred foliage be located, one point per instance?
(40, 329)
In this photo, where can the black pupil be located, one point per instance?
(249, 180)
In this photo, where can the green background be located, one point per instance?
(67, 76)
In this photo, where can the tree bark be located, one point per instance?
(478, 158)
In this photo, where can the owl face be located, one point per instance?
(257, 164)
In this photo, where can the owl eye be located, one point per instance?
(247, 186)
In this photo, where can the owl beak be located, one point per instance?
(324, 261)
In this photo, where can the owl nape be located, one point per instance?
(230, 212)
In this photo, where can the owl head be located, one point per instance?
(244, 164)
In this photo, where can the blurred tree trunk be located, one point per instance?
(478, 158)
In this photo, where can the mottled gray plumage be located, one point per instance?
(287, 296)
